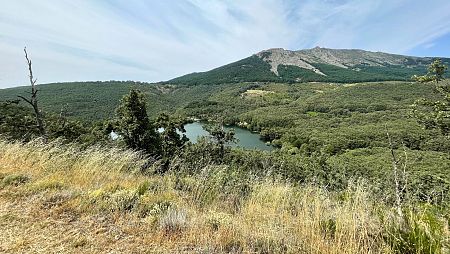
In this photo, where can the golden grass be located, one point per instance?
(256, 93)
(94, 200)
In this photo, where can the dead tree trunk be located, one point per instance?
(399, 177)
(33, 101)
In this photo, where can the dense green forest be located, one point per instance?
(94, 101)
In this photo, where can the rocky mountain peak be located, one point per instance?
(343, 58)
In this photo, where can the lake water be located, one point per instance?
(246, 138)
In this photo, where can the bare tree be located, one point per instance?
(33, 101)
(400, 174)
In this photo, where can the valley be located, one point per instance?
(330, 138)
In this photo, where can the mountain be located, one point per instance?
(97, 100)
(316, 64)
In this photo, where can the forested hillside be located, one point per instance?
(97, 100)
(318, 65)
(305, 116)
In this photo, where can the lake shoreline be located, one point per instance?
(246, 139)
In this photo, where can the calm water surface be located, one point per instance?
(246, 138)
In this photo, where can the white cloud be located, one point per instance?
(159, 40)
(429, 45)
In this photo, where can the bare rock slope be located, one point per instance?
(343, 58)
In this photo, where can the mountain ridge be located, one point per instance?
(315, 64)
(344, 58)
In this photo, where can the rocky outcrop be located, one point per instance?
(343, 58)
(276, 57)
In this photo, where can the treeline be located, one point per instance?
(317, 116)
(17, 122)
(96, 101)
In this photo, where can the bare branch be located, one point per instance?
(405, 165)
(395, 162)
(26, 100)
(33, 100)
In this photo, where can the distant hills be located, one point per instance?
(313, 65)
(97, 100)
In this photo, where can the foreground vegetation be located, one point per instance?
(64, 198)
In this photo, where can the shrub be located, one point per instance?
(47, 184)
(215, 220)
(328, 227)
(154, 205)
(269, 246)
(116, 199)
(417, 233)
(123, 200)
(14, 180)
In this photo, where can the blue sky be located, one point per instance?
(154, 40)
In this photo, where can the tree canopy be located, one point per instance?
(133, 124)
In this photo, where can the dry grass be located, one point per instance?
(62, 199)
(256, 93)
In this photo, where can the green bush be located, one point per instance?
(417, 232)
(14, 180)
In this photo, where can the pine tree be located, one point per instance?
(172, 137)
(436, 70)
(435, 114)
(134, 126)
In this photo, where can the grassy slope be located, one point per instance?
(56, 198)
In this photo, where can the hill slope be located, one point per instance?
(98, 100)
(317, 64)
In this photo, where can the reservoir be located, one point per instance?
(246, 138)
